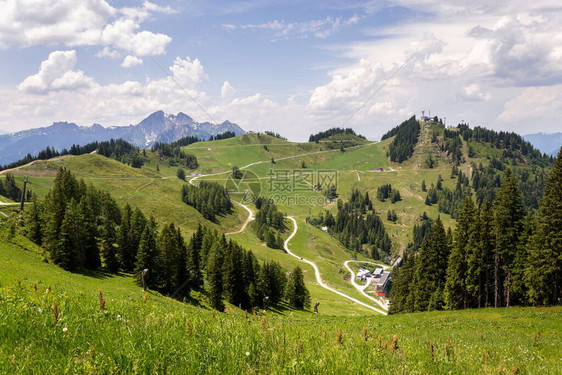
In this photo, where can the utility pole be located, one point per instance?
(25, 181)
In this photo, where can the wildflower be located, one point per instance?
(247, 353)
(40, 310)
(119, 316)
(65, 329)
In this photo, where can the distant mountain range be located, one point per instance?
(158, 127)
(548, 143)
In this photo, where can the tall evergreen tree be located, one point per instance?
(508, 220)
(544, 271)
(296, 293)
(69, 253)
(88, 236)
(233, 277)
(430, 269)
(456, 288)
(215, 277)
(401, 286)
(108, 243)
(148, 258)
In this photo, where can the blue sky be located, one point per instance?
(295, 67)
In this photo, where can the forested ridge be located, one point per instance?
(81, 227)
(405, 139)
(333, 131)
(356, 224)
(269, 223)
(500, 254)
(209, 198)
(117, 149)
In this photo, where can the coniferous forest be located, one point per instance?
(500, 254)
(405, 139)
(269, 223)
(81, 227)
(357, 224)
(210, 199)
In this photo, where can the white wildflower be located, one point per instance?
(65, 329)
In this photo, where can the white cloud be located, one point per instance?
(227, 91)
(56, 73)
(187, 72)
(108, 52)
(471, 58)
(130, 61)
(321, 28)
(80, 23)
(130, 101)
(143, 13)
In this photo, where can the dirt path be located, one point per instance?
(317, 272)
(250, 218)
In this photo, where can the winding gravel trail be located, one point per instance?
(317, 272)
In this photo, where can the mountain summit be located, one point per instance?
(157, 127)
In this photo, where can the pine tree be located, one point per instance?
(544, 271)
(126, 253)
(88, 237)
(456, 289)
(147, 258)
(215, 277)
(68, 254)
(401, 287)
(233, 277)
(430, 270)
(508, 218)
(108, 243)
(296, 293)
(193, 264)
(423, 186)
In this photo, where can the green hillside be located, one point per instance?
(362, 165)
(148, 333)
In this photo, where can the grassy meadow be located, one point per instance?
(53, 321)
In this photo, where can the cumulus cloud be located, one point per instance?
(57, 73)
(227, 91)
(80, 23)
(130, 61)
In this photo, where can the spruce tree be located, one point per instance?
(125, 250)
(68, 250)
(456, 289)
(88, 238)
(33, 223)
(544, 271)
(430, 270)
(147, 258)
(108, 243)
(508, 220)
(233, 277)
(296, 293)
(215, 277)
(401, 286)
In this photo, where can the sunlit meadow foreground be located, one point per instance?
(48, 325)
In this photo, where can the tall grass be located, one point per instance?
(56, 331)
